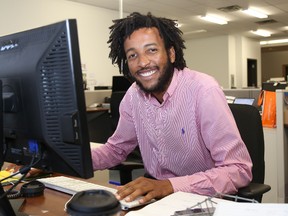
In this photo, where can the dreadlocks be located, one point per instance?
(123, 28)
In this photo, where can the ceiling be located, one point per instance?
(187, 13)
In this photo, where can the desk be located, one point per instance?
(96, 109)
(51, 203)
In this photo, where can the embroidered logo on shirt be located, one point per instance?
(182, 131)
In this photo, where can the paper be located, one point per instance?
(251, 209)
(181, 200)
(5, 173)
(174, 202)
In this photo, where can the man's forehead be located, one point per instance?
(144, 30)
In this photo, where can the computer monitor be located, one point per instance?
(44, 111)
(247, 101)
(1, 131)
(120, 83)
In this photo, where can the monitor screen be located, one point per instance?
(44, 112)
(247, 101)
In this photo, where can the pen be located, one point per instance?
(114, 182)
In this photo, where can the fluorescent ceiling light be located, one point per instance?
(274, 41)
(196, 31)
(255, 13)
(262, 33)
(214, 19)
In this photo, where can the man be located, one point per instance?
(178, 117)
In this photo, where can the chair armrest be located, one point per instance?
(128, 166)
(125, 170)
(253, 190)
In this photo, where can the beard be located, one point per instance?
(162, 82)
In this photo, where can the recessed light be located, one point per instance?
(214, 19)
(255, 13)
(274, 41)
(195, 31)
(262, 33)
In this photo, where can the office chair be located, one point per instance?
(134, 159)
(115, 100)
(249, 124)
(99, 126)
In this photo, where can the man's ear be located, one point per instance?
(172, 55)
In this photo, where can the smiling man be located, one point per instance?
(178, 117)
(150, 64)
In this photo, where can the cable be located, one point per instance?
(14, 194)
(13, 186)
(24, 171)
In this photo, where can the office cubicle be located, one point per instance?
(249, 93)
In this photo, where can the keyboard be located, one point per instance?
(72, 186)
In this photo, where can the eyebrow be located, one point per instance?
(146, 45)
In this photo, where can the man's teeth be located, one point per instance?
(149, 73)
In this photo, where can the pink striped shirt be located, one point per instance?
(190, 139)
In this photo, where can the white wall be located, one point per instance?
(218, 56)
(232, 59)
(241, 49)
(209, 55)
(272, 63)
(250, 50)
(93, 29)
(223, 56)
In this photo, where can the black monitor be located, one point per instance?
(44, 111)
(120, 83)
(273, 86)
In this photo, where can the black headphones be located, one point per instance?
(30, 189)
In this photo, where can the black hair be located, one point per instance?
(123, 28)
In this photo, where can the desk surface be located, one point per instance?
(51, 203)
(96, 109)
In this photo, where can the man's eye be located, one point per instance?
(153, 50)
(131, 56)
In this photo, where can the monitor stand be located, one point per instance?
(7, 208)
(10, 208)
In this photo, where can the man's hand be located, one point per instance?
(149, 188)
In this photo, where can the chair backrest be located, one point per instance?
(249, 123)
(116, 98)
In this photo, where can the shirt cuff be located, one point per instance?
(196, 183)
(180, 184)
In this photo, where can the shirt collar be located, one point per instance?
(173, 84)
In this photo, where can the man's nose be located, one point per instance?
(143, 60)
